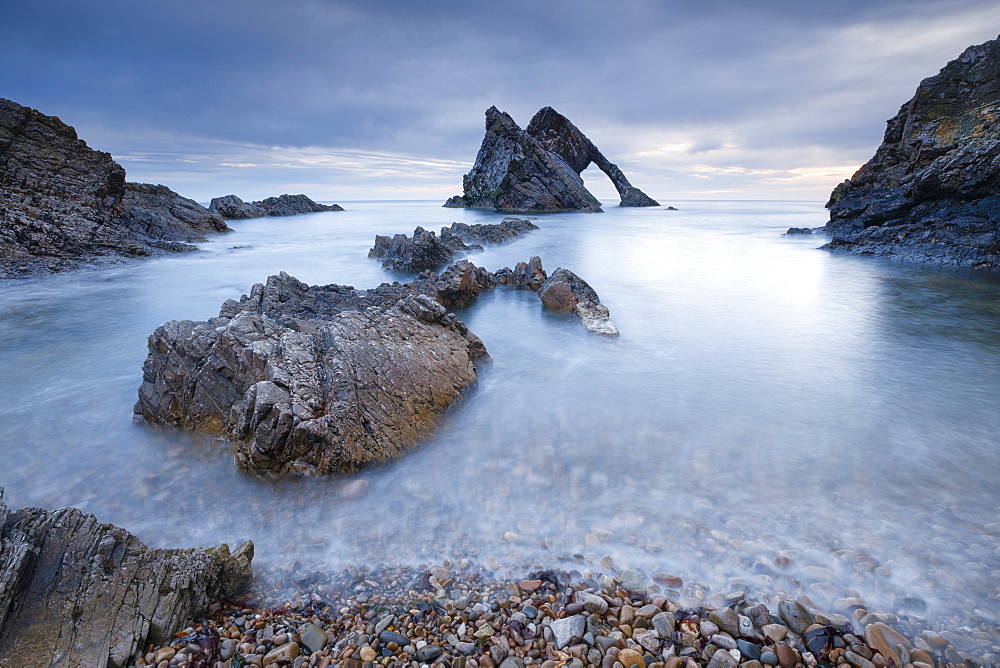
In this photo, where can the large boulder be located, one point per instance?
(312, 379)
(76, 592)
(931, 193)
(556, 133)
(232, 207)
(424, 250)
(63, 203)
(513, 172)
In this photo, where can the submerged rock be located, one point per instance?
(514, 172)
(318, 379)
(566, 292)
(559, 135)
(74, 591)
(930, 193)
(63, 203)
(232, 207)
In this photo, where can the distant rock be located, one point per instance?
(515, 173)
(75, 592)
(798, 231)
(566, 292)
(425, 250)
(556, 133)
(671, 208)
(931, 193)
(63, 203)
(319, 379)
(232, 207)
(492, 233)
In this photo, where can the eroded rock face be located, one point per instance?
(74, 591)
(232, 207)
(556, 133)
(317, 379)
(424, 250)
(494, 233)
(566, 292)
(312, 379)
(931, 193)
(513, 172)
(63, 203)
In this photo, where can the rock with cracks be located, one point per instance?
(514, 172)
(63, 203)
(76, 592)
(232, 207)
(931, 193)
(320, 379)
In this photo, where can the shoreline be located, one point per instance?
(459, 616)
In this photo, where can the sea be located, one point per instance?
(774, 418)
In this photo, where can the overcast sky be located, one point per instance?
(363, 99)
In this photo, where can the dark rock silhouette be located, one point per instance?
(74, 591)
(232, 207)
(318, 379)
(931, 193)
(425, 250)
(556, 133)
(63, 203)
(513, 172)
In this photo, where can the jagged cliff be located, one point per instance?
(537, 170)
(931, 193)
(62, 202)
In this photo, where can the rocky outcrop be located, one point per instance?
(232, 207)
(798, 231)
(312, 379)
(513, 172)
(931, 193)
(76, 592)
(494, 233)
(425, 250)
(538, 170)
(566, 292)
(317, 379)
(556, 133)
(63, 203)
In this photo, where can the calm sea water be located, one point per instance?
(765, 400)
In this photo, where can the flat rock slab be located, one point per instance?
(74, 591)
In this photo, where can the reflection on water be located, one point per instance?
(765, 400)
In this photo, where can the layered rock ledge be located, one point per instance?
(63, 203)
(233, 208)
(538, 170)
(74, 591)
(931, 193)
(425, 250)
(320, 379)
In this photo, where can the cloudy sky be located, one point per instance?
(360, 99)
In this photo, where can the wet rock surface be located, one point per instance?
(454, 614)
(321, 379)
(515, 173)
(232, 207)
(63, 203)
(74, 591)
(566, 292)
(425, 250)
(930, 193)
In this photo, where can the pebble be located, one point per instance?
(630, 657)
(726, 619)
(796, 617)
(631, 582)
(568, 629)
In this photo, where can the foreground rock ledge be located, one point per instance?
(930, 193)
(322, 379)
(74, 591)
(63, 203)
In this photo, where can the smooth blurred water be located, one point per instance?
(765, 399)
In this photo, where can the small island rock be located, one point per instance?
(232, 207)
